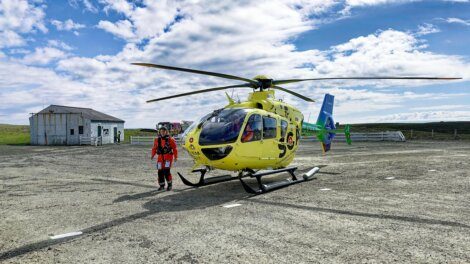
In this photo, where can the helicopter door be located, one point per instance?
(282, 144)
(251, 137)
(270, 141)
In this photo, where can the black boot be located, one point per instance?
(162, 187)
(169, 187)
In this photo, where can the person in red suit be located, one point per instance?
(164, 146)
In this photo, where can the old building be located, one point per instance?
(65, 125)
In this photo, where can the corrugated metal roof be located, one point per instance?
(88, 113)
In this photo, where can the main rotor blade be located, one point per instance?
(293, 93)
(276, 82)
(221, 75)
(246, 85)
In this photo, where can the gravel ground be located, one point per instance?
(370, 203)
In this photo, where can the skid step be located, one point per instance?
(263, 188)
(206, 181)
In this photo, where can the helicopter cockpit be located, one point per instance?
(222, 127)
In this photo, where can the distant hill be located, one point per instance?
(14, 134)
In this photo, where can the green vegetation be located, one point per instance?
(14, 135)
(19, 134)
(136, 132)
(442, 130)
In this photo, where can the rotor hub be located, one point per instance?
(263, 82)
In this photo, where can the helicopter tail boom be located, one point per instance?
(325, 128)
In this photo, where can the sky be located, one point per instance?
(79, 53)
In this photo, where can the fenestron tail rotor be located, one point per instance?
(262, 82)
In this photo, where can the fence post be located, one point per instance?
(411, 135)
(432, 133)
(455, 133)
(382, 136)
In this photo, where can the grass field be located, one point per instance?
(135, 132)
(14, 134)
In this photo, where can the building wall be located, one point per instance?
(56, 129)
(107, 131)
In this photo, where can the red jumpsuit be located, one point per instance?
(165, 148)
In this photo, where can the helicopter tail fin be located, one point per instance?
(325, 128)
(326, 123)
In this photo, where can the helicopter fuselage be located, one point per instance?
(260, 133)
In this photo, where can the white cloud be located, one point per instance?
(19, 51)
(67, 25)
(441, 107)
(426, 116)
(59, 44)
(19, 17)
(89, 6)
(44, 55)
(122, 29)
(355, 3)
(242, 39)
(143, 22)
(426, 29)
(458, 21)
(391, 53)
(10, 38)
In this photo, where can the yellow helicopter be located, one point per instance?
(261, 133)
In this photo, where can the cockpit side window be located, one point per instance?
(283, 130)
(269, 127)
(253, 129)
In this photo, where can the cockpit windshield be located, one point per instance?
(222, 127)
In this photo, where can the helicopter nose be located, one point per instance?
(217, 153)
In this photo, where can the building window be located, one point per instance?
(72, 131)
(80, 130)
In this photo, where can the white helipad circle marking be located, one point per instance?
(390, 178)
(325, 189)
(231, 205)
(431, 170)
(67, 235)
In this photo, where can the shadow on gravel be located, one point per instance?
(137, 196)
(199, 198)
(125, 183)
(370, 215)
(180, 200)
(329, 173)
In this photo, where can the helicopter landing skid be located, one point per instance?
(263, 188)
(208, 181)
